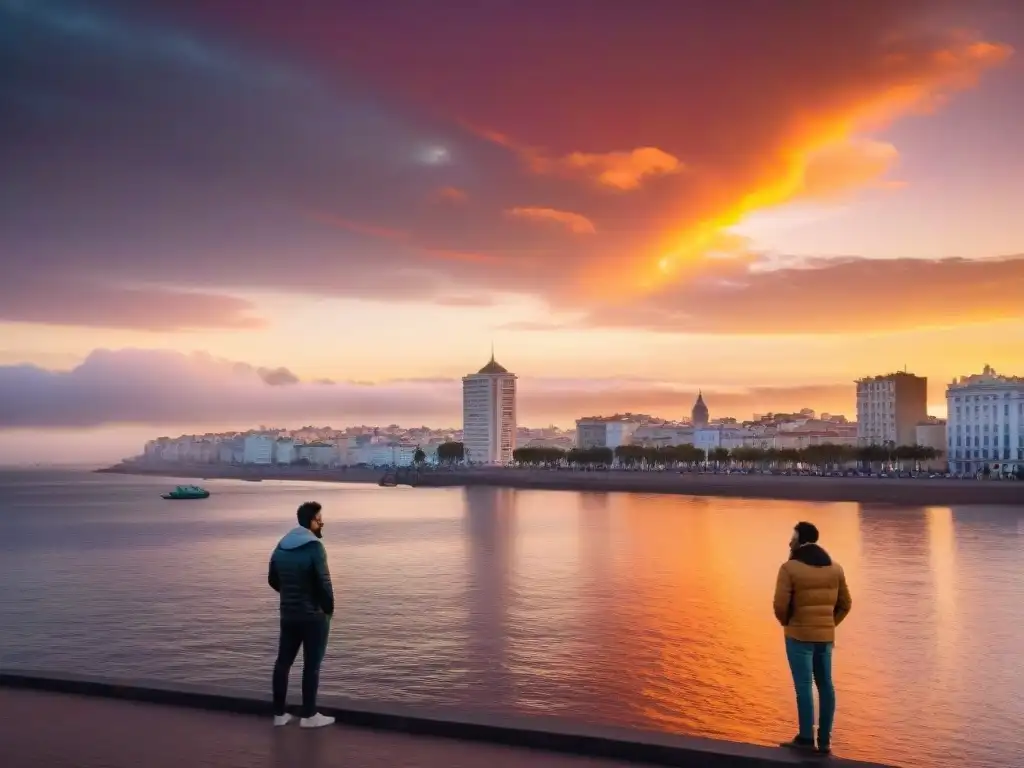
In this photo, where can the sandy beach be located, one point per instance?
(867, 490)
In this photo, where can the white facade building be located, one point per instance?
(347, 451)
(489, 414)
(320, 454)
(655, 435)
(890, 407)
(231, 451)
(605, 432)
(258, 449)
(707, 438)
(384, 454)
(284, 450)
(985, 423)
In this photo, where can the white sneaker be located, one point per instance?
(280, 720)
(316, 721)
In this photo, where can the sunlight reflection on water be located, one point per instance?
(650, 611)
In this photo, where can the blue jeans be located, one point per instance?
(812, 662)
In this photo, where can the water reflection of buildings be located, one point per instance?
(989, 618)
(606, 673)
(942, 556)
(595, 538)
(490, 539)
(656, 611)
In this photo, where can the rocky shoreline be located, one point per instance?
(865, 490)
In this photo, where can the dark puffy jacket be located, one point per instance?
(299, 572)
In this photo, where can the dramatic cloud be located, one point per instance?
(847, 166)
(277, 377)
(96, 303)
(831, 296)
(574, 222)
(157, 146)
(151, 387)
(623, 171)
(450, 195)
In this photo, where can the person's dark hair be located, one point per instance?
(806, 533)
(307, 512)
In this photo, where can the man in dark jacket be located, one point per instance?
(299, 572)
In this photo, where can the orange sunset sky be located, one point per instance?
(631, 201)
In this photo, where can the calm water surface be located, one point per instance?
(648, 611)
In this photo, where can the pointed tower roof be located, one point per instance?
(493, 365)
(700, 410)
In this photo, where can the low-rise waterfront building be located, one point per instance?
(231, 450)
(258, 449)
(606, 431)
(284, 450)
(656, 435)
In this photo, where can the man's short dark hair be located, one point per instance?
(307, 512)
(806, 533)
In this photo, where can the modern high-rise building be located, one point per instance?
(489, 414)
(985, 423)
(890, 407)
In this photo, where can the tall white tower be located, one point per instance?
(489, 414)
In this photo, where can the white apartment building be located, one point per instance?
(284, 450)
(258, 449)
(318, 453)
(231, 451)
(489, 414)
(654, 435)
(890, 407)
(985, 423)
(605, 431)
(387, 454)
(347, 451)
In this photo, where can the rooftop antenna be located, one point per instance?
(492, 351)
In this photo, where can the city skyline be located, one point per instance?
(197, 394)
(764, 206)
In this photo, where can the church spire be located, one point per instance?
(699, 415)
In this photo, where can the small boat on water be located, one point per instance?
(187, 492)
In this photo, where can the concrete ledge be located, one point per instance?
(551, 735)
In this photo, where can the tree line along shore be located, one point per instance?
(821, 457)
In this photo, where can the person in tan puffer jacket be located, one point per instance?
(811, 600)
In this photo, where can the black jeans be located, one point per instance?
(311, 635)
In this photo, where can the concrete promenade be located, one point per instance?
(65, 722)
